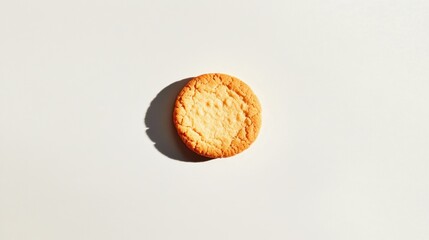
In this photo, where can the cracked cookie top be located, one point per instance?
(217, 115)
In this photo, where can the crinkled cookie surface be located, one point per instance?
(217, 115)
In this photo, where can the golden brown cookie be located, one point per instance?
(217, 115)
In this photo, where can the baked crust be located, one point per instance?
(217, 115)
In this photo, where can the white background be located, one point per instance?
(343, 152)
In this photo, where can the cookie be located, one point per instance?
(217, 115)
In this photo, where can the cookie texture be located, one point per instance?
(217, 115)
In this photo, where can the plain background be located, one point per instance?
(343, 152)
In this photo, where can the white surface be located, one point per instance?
(343, 152)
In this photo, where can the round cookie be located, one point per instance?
(217, 115)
